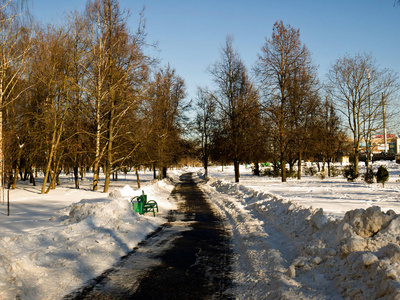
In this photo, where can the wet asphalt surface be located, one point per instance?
(189, 257)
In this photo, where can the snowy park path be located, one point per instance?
(188, 257)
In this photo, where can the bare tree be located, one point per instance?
(303, 103)
(82, 96)
(356, 84)
(280, 67)
(14, 48)
(50, 73)
(205, 123)
(77, 145)
(236, 98)
(97, 72)
(329, 141)
(165, 113)
(117, 72)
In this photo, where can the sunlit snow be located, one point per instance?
(285, 245)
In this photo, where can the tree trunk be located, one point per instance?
(82, 171)
(96, 166)
(15, 178)
(76, 176)
(291, 166)
(57, 170)
(283, 171)
(47, 171)
(299, 166)
(329, 168)
(256, 169)
(53, 180)
(236, 167)
(54, 144)
(160, 171)
(283, 167)
(356, 161)
(154, 171)
(95, 176)
(137, 177)
(57, 175)
(1, 134)
(205, 155)
(106, 181)
(50, 176)
(32, 178)
(356, 154)
(205, 163)
(108, 167)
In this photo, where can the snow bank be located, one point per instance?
(368, 241)
(79, 243)
(359, 255)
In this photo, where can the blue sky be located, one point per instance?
(190, 33)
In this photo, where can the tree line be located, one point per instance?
(283, 113)
(83, 95)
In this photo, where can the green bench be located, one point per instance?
(141, 205)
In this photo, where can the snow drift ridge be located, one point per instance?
(359, 254)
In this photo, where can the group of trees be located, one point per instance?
(359, 88)
(83, 95)
(285, 114)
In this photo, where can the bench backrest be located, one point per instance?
(144, 197)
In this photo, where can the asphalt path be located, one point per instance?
(189, 257)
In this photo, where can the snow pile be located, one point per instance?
(86, 238)
(368, 241)
(126, 191)
(357, 257)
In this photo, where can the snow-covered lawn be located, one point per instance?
(334, 194)
(51, 244)
(285, 246)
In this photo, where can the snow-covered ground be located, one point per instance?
(51, 244)
(285, 245)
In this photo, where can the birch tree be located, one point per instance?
(14, 49)
(50, 71)
(118, 72)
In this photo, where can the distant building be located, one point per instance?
(378, 144)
